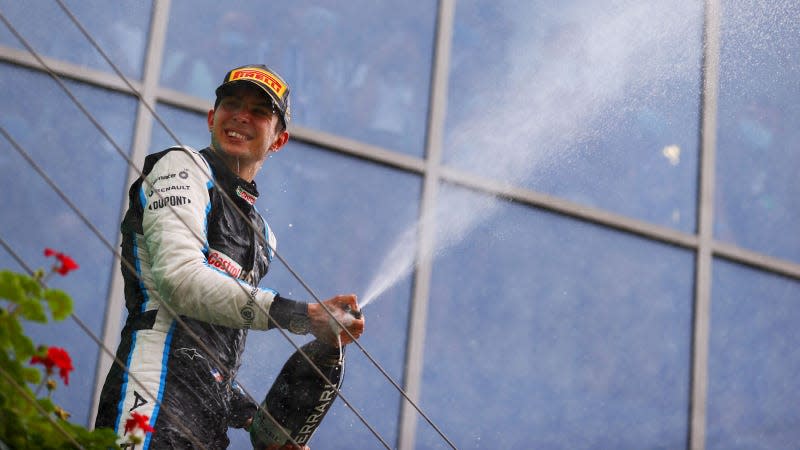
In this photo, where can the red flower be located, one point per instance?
(67, 263)
(56, 357)
(138, 421)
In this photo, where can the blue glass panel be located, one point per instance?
(120, 28)
(332, 215)
(189, 128)
(544, 332)
(356, 68)
(754, 361)
(91, 174)
(758, 192)
(596, 102)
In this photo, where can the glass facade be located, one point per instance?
(515, 189)
(754, 363)
(76, 157)
(595, 326)
(596, 102)
(120, 29)
(757, 206)
(375, 90)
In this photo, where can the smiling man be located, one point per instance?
(244, 144)
(195, 250)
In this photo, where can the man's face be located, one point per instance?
(245, 125)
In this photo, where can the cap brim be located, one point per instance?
(225, 87)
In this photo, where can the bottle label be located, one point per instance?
(313, 419)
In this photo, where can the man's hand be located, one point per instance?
(324, 328)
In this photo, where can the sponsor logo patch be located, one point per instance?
(164, 177)
(246, 196)
(138, 401)
(171, 200)
(169, 188)
(262, 76)
(190, 353)
(247, 312)
(224, 263)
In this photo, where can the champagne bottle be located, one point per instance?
(299, 398)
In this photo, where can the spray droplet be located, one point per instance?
(672, 153)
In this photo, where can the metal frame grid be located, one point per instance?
(702, 242)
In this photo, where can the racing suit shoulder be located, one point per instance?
(174, 200)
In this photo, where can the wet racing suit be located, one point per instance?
(189, 252)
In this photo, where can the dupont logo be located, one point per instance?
(170, 200)
(262, 76)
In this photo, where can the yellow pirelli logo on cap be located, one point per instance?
(262, 76)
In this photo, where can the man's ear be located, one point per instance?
(280, 141)
(210, 119)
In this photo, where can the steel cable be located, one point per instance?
(130, 163)
(176, 316)
(108, 351)
(38, 407)
(119, 150)
(308, 289)
(166, 305)
(97, 233)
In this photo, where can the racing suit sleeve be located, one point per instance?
(175, 203)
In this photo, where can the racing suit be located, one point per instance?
(189, 253)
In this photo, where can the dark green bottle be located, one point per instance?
(299, 398)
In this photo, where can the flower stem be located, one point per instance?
(41, 385)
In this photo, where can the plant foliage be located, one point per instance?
(30, 420)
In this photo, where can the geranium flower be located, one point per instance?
(140, 421)
(67, 263)
(56, 357)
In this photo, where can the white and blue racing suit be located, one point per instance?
(188, 252)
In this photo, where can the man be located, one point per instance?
(194, 252)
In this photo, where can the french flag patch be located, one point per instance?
(217, 376)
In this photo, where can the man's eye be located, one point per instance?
(231, 103)
(262, 112)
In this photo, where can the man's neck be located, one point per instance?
(244, 169)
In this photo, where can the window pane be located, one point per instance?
(596, 102)
(359, 69)
(758, 154)
(754, 361)
(118, 27)
(331, 215)
(91, 174)
(544, 332)
(189, 127)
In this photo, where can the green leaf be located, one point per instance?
(12, 367)
(31, 286)
(100, 439)
(32, 375)
(32, 310)
(13, 336)
(5, 331)
(59, 302)
(11, 287)
(46, 404)
(22, 344)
